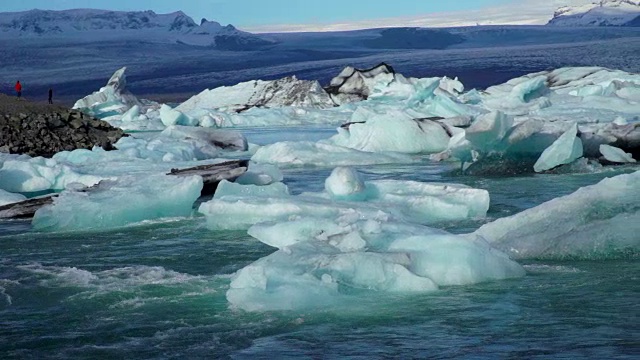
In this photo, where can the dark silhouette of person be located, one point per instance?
(50, 96)
(19, 89)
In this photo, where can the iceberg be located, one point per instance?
(222, 139)
(488, 130)
(39, 174)
(345, 184)
(393, 131)
(170, 117)
(323, 154)
(112, 99)
(286, 92)
(353, 84)
(121, 202)
(563, 151)
(616, 155)
(594, 222)
(10, 198)
(347, 193)
(335, 260)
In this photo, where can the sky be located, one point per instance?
(326, 15)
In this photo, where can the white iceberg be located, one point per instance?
(170, 117)
(345, 184)
(394, 131)
(323, 154)
(112, 99)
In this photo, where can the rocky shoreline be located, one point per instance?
(43, 130)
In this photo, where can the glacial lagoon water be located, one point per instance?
(157, 290)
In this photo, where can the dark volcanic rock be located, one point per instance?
(351, 84)
(43, 130)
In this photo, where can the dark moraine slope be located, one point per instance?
(43, 130)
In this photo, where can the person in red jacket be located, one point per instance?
(19, 89)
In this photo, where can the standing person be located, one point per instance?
(19, 89)
(50, 96)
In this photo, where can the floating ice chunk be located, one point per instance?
(132, 114)
(226, 188)
(239, 213)
(113, 99)
(40, 174)
(208, 121)
(620, 121)
(10, 198)
(260, 174)
(417, 202)
(170, 116)
(330, 263)
(287, 91)
(452, 86)
(565, 150)
(345, 184)
(394, 131)
(121, 202)
(616, 155)
(223, 139)
(427, 203)
(287, 233)
(488, 130)
(460, 148)
(323, 154)
(453, 260)
(530, 89)
(597, 221)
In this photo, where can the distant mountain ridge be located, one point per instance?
(600, 13)
(145, 25)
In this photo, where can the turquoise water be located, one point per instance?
(157, 290)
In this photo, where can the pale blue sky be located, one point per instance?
(251, 13)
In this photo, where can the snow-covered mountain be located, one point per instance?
(600, 13)
(93, 25)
